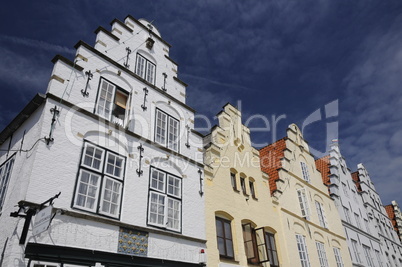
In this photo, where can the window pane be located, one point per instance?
(158, 180)
(5, 172)
(140, 68)
(173, 215)
(174, 185)
(160, 133)
(111, 197)
(105, 99)
(87, 190)
(150, 72)
(173, 134)
(93, 157)
(157, 208)
(114, 165)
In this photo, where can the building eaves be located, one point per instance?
(180, 81)
(122, 68)
(68, 62)
(30, 108)
(100, 28)
(121, 24)
(174, 62)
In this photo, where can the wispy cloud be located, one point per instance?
(372, 127)
(36, 44)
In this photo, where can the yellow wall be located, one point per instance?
(229, 148)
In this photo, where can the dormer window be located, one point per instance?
(112, 103)
(145, 69)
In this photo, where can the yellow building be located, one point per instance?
(311, 228)
(242, 226)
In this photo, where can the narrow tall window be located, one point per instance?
(347, 214)
(306, 175)
(322, 256)
(252, 189)
(224, 237)
(243, 185)
(338, 257)
(378, 256)
(167, 130)
(356, 251)
(100, 181)
(145, 69)
(271, 249)
(301, 193)
(112, 103)
(367, 226)
(321, 214)
(357, 219)
(233, 181)
(5, 172)
(164, 206)
(302, 248)
(250, 244)
(367, 254)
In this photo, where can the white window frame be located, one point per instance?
(377, 254)
(303, 252)
(347, 214)
(100, 192)
(5, 173)
(305, 209)
(322, 256)
(163, 131)
(321, 214)
(306, 174)
(338, 257)
(357, 219)
(114, 89)
(145, 68)
(168, 198)
(356, 251)
(367, 253)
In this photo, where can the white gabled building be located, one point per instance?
(359, 216)
(114, 136)
(389, 241)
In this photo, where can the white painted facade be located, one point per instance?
(177, 235)
(359, 216)
(389, 241)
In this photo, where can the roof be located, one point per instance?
(356, 179)
(322, 165)
(22, 117)
(391, 214)
(270, 160)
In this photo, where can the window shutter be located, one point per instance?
(261, 245)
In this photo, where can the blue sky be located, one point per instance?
(340, 61)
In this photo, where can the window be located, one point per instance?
(243, 185)
(145, 69)
(347, 215)
(100, 181)
(367, 226)
(301, 246)
(306, 175)
(338, 257)
(322, 256)
(271, 249)
(233, 181)
(252, 189)
(301, 193)
(356, 251)
(167, 130)
(367, 254)
(378, 256)
(224, 237)
(357, 219)
(5, 172)
(112, 103)
(250, 244)
(321, 214)
(164, 207)
(345, 189)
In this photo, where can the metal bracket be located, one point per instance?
(188, 136)
(141, 149)
(127, 57)
(55, 113)
(90, 76)
(201, 179)
(145, 99)
(164, 81)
